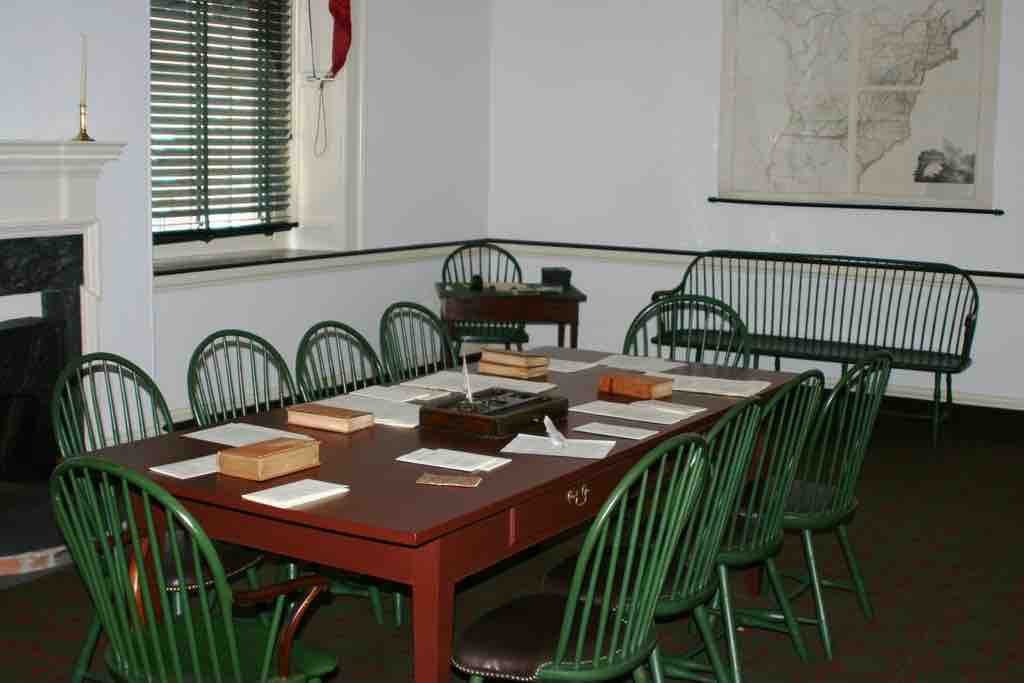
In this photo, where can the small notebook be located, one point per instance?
(618, 431)
(626, 411)
(530, 444)
(296, 493)
(188, 469)
(454, 460)
(241, 434)
(461, 480)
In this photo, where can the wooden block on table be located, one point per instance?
(269, 459)
(329, 418)
(519, 359)
(518, 372)
(635, 386)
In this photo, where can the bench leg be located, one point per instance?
(778, 363)
(937, 408)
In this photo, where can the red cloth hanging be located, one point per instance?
(341, 10)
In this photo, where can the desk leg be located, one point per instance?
(574, 335)
(433, 602)
(561, 335)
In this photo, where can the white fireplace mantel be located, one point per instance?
(49, 188)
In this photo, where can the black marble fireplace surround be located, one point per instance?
(33, 350)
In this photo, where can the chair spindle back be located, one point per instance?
(413, 342)
(695, 329)
(334, 359)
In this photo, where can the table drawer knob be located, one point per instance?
(578, 496)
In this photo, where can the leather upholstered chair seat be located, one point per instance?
(236, 560)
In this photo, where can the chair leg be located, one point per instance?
(730, 625)
(936, 409)
(819, 603)
(787, 609)
(92, 637)
(399, 603)
(700, 615)
(375, 602)
(858, 579)
(657, 675)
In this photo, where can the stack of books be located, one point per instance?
(512, 364)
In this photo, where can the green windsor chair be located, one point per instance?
(823, 495)
(690, 585)
(334, 359)
(754, 535)
(114, 520)
(689, 328)
(493, 264)
(233, 373)
(413, 342)
(604, 628)
(102, 400)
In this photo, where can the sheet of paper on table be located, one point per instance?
(559, 365)
(531, 444)
(241, 434)
(189, 469)
(453, 381)
(296, 493)
(627, 411)
(715, 385)
(388, 413)
(453, 460)
(398, 394)
(640, 363)
(684, 411)
(618, 431)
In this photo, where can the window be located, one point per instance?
(220, 110)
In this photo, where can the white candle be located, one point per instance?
(85, 69)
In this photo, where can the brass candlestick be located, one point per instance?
(83, 133)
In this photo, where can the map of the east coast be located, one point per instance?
(859, 100)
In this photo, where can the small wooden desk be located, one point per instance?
(427, 537)
(460, 303)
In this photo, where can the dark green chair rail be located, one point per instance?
(842, 308)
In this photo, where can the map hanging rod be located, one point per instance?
(874, 207)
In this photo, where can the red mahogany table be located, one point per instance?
(428, 537)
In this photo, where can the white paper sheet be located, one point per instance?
(241, 434)
(683, 411)
(189, 469)
(640, 363)
(397, 394)
(618, 431)
(449, 380)
(559, 365)
(389, 413)
(296, 493)
(531, 444)
(626, 411)
(453, 460)
(715, 385)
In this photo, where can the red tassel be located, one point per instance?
(341, 10)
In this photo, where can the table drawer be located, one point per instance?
(550, 513)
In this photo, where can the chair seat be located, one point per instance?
(738, 548)
(252, 641)
(809, 505)
(236, 559)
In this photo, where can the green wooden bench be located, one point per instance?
(840, 308)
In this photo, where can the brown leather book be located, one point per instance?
(487, 368)
(635, 386)
(515, 358)
(329, 418)
(269, 459)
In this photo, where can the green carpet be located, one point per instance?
(938, 536)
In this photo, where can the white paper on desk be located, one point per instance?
(296, 493)
(389, 413)
(453, 460)
(559, 365)
(715, 385)
(626, 411)
(530, 444)
(241, 434)
(449, 380)
(683, 411)
(188, 469)
(640, 363)
(618, 431)
(396, 394)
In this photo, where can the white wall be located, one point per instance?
(604, 129)
(40, 61)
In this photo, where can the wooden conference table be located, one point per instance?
(428, 537)
(460, 303)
